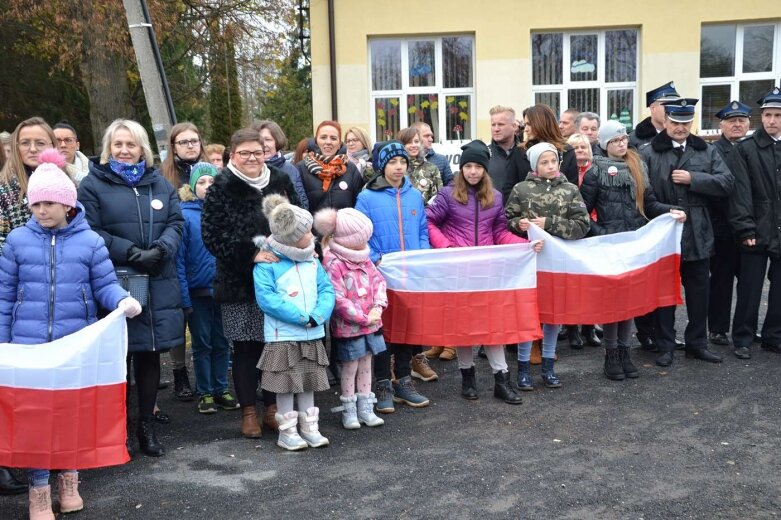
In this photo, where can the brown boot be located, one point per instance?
(269, 418)
(433, 352)
(420, 369)
(448, 354)
(536, 357)
(249, 422)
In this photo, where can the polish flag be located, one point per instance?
(609, 278)
(62, 404)
(460, 297)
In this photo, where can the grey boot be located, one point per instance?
(366, 410)
(349, 412)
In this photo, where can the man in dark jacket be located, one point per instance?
(685, 172)
(652, 125)
(503, 142)
(755, 217)
(734, 126)
(437, 159)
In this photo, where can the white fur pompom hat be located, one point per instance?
(288, 223)
(349, 227)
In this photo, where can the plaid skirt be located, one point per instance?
(292, 367)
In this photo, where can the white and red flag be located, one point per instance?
(460, 297)
(62, 404)
(609, 278)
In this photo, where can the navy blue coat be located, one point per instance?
(120, 214)
(52, 281)
(195, 265)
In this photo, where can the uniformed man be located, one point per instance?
(653, 124)
(755, 216)
(685, 172)
(734, 126)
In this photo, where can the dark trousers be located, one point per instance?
(146, 372)
(694, 276)
(723, 270)
(246, 375)
(751, 279)
(402, 355)
(645, 325)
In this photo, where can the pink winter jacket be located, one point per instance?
(453, 224)
(358, 286)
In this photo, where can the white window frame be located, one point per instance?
(734, 81)
(437, 89)
(600, 84)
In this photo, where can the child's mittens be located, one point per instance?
(130, 307)
(374, 315)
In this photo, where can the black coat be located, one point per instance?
(711, 179)
(499, 164)
(342, 193)
(643, 133)
(755, 207)
(120, 214)
(611, 197)
(719, 213)
(519, 167)
(232, 216)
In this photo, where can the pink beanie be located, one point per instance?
(349, 227)
(49, 183)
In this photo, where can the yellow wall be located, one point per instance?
(669, 43)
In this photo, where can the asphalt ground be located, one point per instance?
(696, 440)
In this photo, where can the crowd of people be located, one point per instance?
(271, 262)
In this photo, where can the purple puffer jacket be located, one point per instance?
(453, 224)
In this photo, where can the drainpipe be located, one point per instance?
(332, 54)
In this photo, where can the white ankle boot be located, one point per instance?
(366, 410)
(288, 434)
(307, 424)
(349, 412)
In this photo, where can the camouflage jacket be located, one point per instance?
(557, 199)
(423, 175)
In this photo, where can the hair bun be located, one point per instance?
(52, 156)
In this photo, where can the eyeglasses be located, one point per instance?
(67, 140)
(187, 142)
(39, 145)
(619, 140)
(351, 141)
(245, 154)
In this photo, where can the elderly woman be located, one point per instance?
(274, 141)
(136, 211)
(583, 154)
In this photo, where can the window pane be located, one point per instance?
(386, 112)
(583, 57)
(750, 91)
(584, 99)
(423, 108)
(546, 58)
(552, 99)
(457, 62)
(422, 63)
(621, 55)
(758, 48)
(620, 106)
(458, 122)
(714, 98)
(717, 51)
(386, 64)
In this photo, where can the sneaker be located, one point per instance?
(206, 404)
(421, 369)
(226, 401)
(404, 392)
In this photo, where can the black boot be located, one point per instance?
(590, 336)
(147, 440)
(666, 358)
(613, 368)
(630, 370)
(503, 389)
(9, 485)
(468, 384)
(182, 388)
(575, 341)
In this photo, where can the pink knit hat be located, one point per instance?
(49, 183)
(349, 227)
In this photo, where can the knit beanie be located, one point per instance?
(288, 223)
(348, 227)
(475, 152)
(199, 170)
(49, 183)
(390, 150)
(609, 131)
(533, 153)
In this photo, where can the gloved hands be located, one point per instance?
(130, 307)
(149, 260)
(374, 315)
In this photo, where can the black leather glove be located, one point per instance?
(149, 260)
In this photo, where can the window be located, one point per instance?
(593, 71)
(423, 79)
(737, 62)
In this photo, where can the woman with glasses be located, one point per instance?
(232, 217)
(358, 147)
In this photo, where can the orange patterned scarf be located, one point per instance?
(326, 168)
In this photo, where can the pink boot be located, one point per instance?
(70, 500)
(41, 503)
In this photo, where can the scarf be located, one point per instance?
(359, 158)
(258, 182)
(326, 168)
(353, 256)
(277, 160)
(613, 173)
(130, 173)
(293, 253)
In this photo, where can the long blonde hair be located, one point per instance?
(14, 166)
(485, 189)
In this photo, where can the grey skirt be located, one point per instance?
(292, 367)
(242, 321)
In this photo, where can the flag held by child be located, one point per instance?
(62, 404)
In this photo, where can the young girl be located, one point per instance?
(196, 268)
(549, 201)
(356, 323)
(56, 240)
(296, 298)
(466, 213)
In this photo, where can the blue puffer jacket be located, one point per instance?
(52, 281)
(382, 203)
(195, 265)
(289, 293)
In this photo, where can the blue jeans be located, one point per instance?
(40, 477)
(211, 350)
(550, 335)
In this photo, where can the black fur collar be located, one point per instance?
(646, 129)
(663, 143)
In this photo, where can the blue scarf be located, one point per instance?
(277, 160)
(130, 173)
